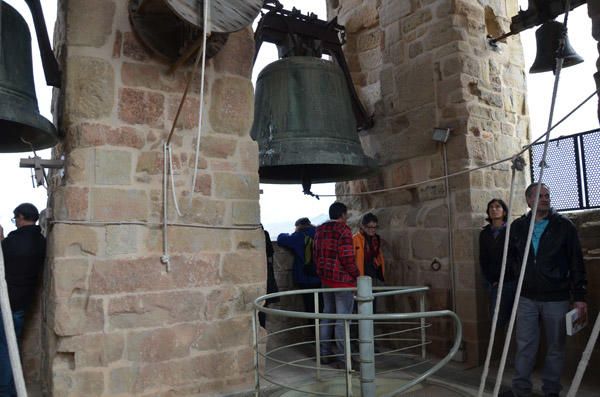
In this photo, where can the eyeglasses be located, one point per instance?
(13, 220)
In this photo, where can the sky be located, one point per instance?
(281, 205)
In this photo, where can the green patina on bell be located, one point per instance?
(20, 118)
(304, 124)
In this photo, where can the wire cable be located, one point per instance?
(469, 170)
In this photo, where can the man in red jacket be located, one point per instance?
(336, 266)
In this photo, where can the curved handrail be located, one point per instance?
(386, 291)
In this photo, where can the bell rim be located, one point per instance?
(43, 128)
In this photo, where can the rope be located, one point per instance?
(155, 224)
(170, 151)
(585, 358)
(538, 188)
(165, 256)
(205, 33)
(488, 357)
(469, 170)
(9, 330)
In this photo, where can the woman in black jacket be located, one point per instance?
(491, 246)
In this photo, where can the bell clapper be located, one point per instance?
(306, 184)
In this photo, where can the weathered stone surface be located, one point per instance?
(232, 106)
(143, 377)
(93, 350)
(78, 315)
(197, 240)
(223, 334)
(73, 240)
(141, 107)
(148, 274)
(156, 309)
(151, 76)
(391, 11)
(235, 186)
(150, 162)
(69, 277)
(244, 267)
(245, 213)
(122, 239)
(126, 137)
(160, 344)
(218, 146)
(189, 114)
(113, 167)
(427, 244)
(89, 23)
(110, 204)
(236, 56)
(71, 203)
(132, 48)
(89, 88)
(211, 212)
(415, 86)
(81, 383)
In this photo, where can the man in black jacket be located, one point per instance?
(554, 276)
(24, 252)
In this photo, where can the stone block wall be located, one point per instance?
(114, 321)
(422, 64)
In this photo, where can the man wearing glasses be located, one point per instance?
(24, 252)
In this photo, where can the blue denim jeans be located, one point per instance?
(552, 315)
(7, 385)
(335, 303)
(506, 301)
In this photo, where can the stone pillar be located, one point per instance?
(594, 13)
(116, 323)
(424, 64)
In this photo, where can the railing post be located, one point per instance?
(348, 357)
(365, 336)
(256, 361)
(423, 335)
(317, 335)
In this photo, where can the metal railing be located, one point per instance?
(573, 170)
(407, 338)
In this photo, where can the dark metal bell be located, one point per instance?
(304, 124)
(20, 119)
(547, 39)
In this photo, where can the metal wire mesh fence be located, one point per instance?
(572, 170)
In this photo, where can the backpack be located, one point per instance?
(309, 264)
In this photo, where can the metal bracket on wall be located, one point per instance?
(38, 165)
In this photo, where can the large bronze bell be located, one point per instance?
(304, 124)
(21, 125)
(547, 39)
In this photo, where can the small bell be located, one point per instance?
(547, 39)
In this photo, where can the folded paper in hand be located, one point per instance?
(573, 326)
